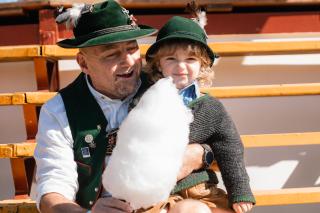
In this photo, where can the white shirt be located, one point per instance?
(56, 168)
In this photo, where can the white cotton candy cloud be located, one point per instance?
(145, 163)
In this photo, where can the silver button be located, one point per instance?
(88, 138)
(90, 202)
(96, 189)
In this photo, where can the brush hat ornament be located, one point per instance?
(102, 23)
(180, 28)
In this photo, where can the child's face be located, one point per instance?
(181, 66)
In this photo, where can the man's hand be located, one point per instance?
(192, 160)
(56, 203)
(111, 205)
(242, 207)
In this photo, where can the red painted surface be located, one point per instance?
(48, 28)
(19, 34)
(249, 23)
(223, 23)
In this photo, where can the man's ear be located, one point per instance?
(82, 62)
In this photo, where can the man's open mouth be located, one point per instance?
(126, 74)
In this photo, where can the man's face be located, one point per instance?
(114, 69)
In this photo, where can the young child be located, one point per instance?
(181, 51)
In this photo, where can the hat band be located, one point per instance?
(203, 38)
(107, 31)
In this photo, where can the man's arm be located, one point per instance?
(55, 203)
(192, 160)
(56, 168)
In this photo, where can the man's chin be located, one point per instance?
(126, 90)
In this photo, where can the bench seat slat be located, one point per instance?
(231, 48)
(18, 53)
(26, 149)
(219, 92)
(287, 196)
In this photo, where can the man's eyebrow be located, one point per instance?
(115, 46)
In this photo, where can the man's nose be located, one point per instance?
(127, 59)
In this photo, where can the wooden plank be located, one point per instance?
(285, 139)
(6, 151)
(264, 48)
(264, 90)
(6, 98)
(19, 176)
(288, 196)
(222, 48)
(26, 149)
(17, 150)
(40, 69)
(39, 97)
(18, 98)
(147, 4)
(239, 3)
(55, 51)
(18, 206)
(17, 53)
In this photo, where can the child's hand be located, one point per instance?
(242, 207)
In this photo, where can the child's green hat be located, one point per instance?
(104, 23)
(181, 28)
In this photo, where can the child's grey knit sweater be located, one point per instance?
(212, 125)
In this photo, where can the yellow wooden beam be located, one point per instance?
(147, 4)
(18, 206)
(264, 90)
(222, 48)
(264, 140)
(54, 51)
(12, 98)
(263, 197)
(219, 92)
(38, 97)
(16, 53)
(284, 139)
(287, 196)
(264, 48)
(18, 98)
(17, 150)
(6, 99)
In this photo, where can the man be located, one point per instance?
(76, 124)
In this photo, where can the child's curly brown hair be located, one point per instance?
(206, 74)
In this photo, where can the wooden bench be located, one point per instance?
(45, 58)
(287, 196)
(222, 48)
(264, 197)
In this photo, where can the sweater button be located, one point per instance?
(90, 202)
(96, 189)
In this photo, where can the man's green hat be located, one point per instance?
(180, 28)
(104, 23)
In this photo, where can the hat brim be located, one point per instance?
(153, 48)
(115, 37)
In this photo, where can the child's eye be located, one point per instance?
(192, 59)
(170, 58)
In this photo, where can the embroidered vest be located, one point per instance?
(88, 127)
(87, 123)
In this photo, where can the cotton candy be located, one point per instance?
(151, 142)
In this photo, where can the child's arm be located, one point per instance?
(212, 119)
